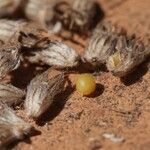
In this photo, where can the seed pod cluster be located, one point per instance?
(78, 15)
(74, 15)
(10, 94)
(41, 12)
(129, 53)
(12, 127)
(15, 35)
(102, 44)
(55, 53)
(41, 92)
(110, 45)
(27, 33)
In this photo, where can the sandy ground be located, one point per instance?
(118, 107)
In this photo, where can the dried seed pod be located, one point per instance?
(11, 95)
(30, 33)
(78, 15)
(56, 54)
(9, 7)
(130, 52)
(26, 32)
(41, 92)
(99, 49)
(9, 29)
(9, 58)
(106, 27)
(11, 126)
(102, 44)
(40, 11)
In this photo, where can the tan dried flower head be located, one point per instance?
(10, 94)
(55, 53)
(106, 27)
(9, 58)
(41, 92)
(9, 29)
(27, 33)
(30, 33)
(11, 126)
(77, 15)
(99, 49)
(40, 11)
(130, 52)
(102, 44)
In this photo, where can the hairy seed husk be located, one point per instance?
(99, 49)
(129, 53)
(55, 53)
(40, 11)
(11, 126)
(106, 27)
(9, 58)
(77, 15)
(9, 29)
(9, 7)
(102, 44)
(41, 92)
(28, 33)
(10, 94)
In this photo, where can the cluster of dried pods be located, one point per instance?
(24, 39)
(110, 46)
(73, 14)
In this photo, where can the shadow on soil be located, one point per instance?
(99, 90)
(25, 73)
(26, 139)
(137, 74)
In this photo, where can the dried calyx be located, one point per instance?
(106, 27)
(9, 58)
(12, 127)
(31, 33)
(42, 91)
(111, 46)
(102, 44)
(129, 53)
(99, 49)
(9, 29)
(10, 94)
(78, 15)
(27, 33)
(54, 53)
(40, 11)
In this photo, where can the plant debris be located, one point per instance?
(41, 92)
(10, 94)
(113, 137)
(11, 126)
(54, 53)
(9, 58)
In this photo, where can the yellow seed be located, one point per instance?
(116, 60)
(85, 84)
